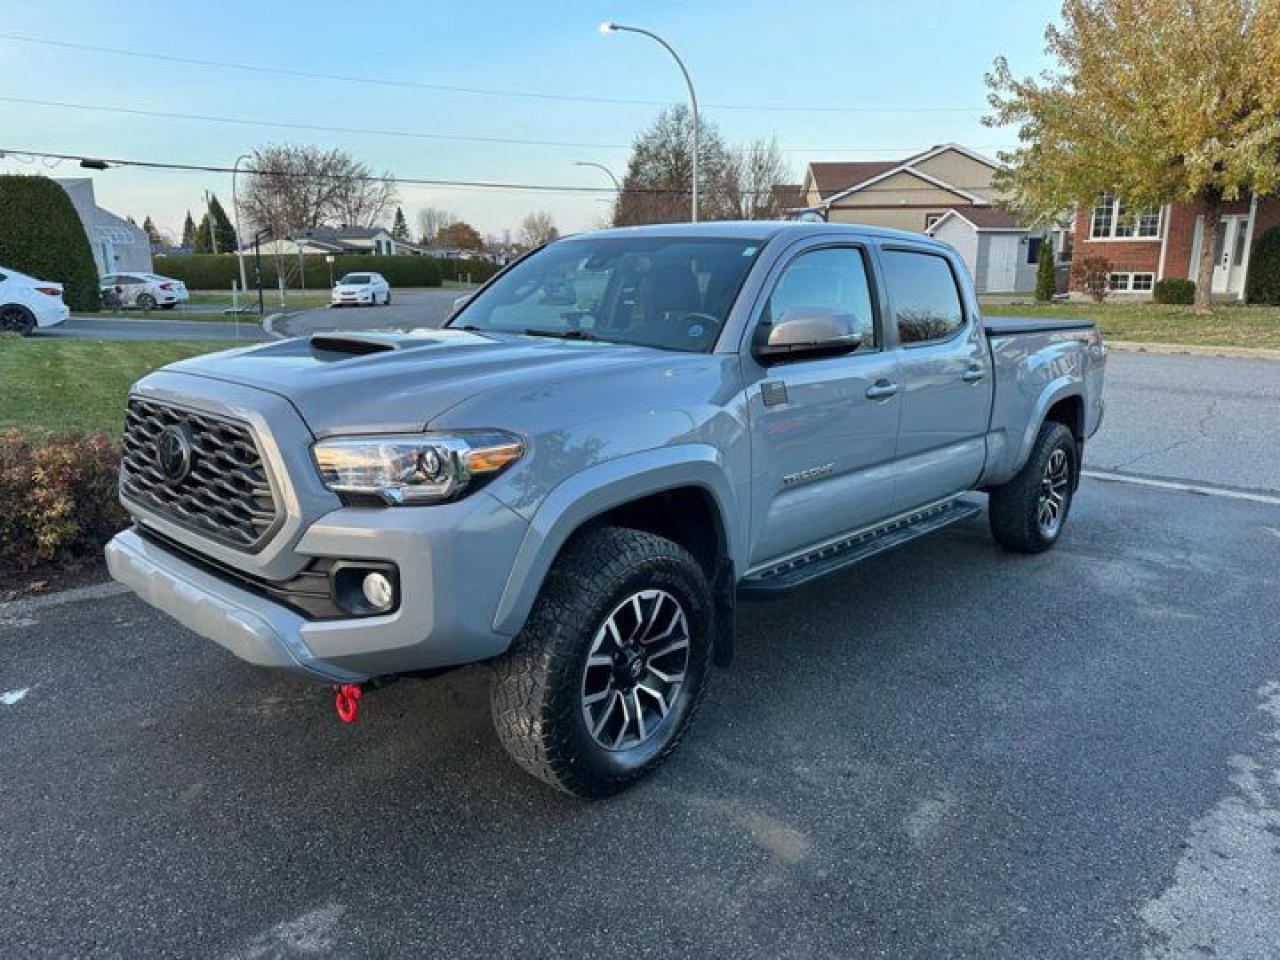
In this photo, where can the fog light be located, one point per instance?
(378, 590)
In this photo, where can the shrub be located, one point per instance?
(1093, 276)
(60, 499)
(41, 235)
(1173, 290)
(1046, 276)
(215, 271)
(1264, 269)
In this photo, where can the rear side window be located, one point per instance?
(922, 289)
(830, 281)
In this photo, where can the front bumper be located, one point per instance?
(452, 560)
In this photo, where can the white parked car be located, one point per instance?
(145, 291)
(27, 303)
(361, 289)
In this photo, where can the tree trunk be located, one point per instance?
(1208, 255)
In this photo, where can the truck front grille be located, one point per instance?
(202, 472)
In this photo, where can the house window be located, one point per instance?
(1131, 282)
(1033, 249)
(1112, 221)
(931, 219)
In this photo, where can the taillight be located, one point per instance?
(50, 291)
(166, 286)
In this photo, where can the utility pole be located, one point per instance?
(208, 215)
(257, 267)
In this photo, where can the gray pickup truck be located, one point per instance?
(577, 479)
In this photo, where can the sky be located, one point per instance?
(893, 77)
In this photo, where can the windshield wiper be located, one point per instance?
(569, 334)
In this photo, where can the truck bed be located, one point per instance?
(1011, 326)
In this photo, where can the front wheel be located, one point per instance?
(606, 675)
(1027, 513)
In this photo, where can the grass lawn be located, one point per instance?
(293, 300)
(1230, 326)
(55, 386)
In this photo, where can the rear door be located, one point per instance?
(823, 429)
(945, 375)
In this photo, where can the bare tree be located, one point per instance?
(659, 175)
(537, 228)
(754, 169)
(294, 187)
(431, 220)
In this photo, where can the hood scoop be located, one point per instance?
(354, 344)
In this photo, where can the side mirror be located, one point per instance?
(805, 332)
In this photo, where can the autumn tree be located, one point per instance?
(1154, 101)
(461, 235)
(431, 220)
(537, 228)
(400, 227)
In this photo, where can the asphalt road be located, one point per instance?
(951, 751)
(96, 328)
(408, 309)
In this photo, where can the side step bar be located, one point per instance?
(774, 580)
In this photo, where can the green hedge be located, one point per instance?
(42, 236)
(1174, 290)
(215, 271)
(1264, 269)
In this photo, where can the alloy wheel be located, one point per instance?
(635, 669)
(1051, 504)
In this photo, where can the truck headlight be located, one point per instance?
(415, 468)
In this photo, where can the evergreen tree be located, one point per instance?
(189, 232)
(203, 243)
(153, 234)
(223, 231)
(1046, 279)
(400, 228)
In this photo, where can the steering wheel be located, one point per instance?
(703, 327)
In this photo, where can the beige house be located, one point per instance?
(911, 194)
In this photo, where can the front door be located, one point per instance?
(1229, 249)
(823, 429)
(946, 377)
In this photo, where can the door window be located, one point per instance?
(922, 289)
(831, 281)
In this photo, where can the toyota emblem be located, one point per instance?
(173, 452)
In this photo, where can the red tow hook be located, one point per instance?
(347, 701)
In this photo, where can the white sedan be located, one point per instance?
(145, 291)
(361, 289)
(27, 303)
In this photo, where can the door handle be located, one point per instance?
(881, 390)
(973, 374)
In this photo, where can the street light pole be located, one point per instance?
(609, 27)
(235, 208)
(600, 166)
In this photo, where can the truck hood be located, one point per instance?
(385, 383)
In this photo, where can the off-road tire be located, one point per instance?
(537, 686)
(1012, 508)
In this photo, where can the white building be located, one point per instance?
(118, 245)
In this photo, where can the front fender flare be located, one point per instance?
(597, 490)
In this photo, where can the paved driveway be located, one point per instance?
(408, 309)
(104, 328)
(950, 751)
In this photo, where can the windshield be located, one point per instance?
(355, 278)
(671, 293)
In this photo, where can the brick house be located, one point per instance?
(1147, 246)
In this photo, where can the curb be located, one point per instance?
(270, 320)
(1194, 350)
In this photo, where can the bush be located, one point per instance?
(1093, 276)
(60, 499)
(41, 235)
(215, 271)
(1046, 275)
(1264, 269)
(1173, 290)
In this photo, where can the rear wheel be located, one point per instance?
(145, 302)
(607, 673)
(387, 302)
(1027, 514)
(15, 318)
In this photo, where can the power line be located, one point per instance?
(472, 91)
(419, 135)
(28, 156)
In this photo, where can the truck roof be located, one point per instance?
(757, 230)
